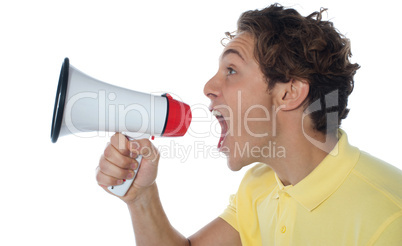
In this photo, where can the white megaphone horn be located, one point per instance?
(84, 104)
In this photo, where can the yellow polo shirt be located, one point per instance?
(350, 198)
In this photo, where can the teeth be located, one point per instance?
(216, 113)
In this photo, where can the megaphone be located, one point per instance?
(85, 104)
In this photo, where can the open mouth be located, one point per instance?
(224, 126)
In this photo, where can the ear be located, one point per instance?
(292, 94)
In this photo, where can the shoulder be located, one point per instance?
(383, 183)
(380, 177)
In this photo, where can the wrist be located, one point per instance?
(143, 197)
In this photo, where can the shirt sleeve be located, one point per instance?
(230, 213)
(392, 234)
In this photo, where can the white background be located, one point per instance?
(49, 195)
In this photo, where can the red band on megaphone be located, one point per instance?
(178, 119)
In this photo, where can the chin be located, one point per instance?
(235, 162)
(234, 168)
(235, 165)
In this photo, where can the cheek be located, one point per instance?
(256, 120)
(256, 115)
(250, 109)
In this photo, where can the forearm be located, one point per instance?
(150, 223)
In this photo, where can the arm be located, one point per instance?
(148, 211)
(150, 223)
(217, 232)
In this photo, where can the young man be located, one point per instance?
(283, 80)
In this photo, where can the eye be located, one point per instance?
(231, 71)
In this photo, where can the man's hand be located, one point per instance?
(118, 163)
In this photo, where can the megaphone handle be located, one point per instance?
(121, 190)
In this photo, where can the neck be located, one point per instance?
(304, 152)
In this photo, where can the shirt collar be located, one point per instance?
(326, 178)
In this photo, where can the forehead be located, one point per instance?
(243, 44)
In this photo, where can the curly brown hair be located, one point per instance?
(290, 46)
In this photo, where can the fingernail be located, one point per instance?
(135, 145)
(119, 182)
(134, 166)
(130, 175)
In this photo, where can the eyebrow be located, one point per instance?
(232, 51)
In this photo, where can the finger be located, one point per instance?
(110, 169)
(145, 148)
(114, 156)
(134, 147)
(119, 142)
(105, 180)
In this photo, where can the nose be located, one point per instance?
(212, 88)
